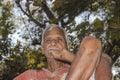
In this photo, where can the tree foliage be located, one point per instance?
(18, 58)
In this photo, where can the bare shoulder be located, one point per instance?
(103, 70)
(105, 57)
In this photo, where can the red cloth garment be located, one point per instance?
(44, 74)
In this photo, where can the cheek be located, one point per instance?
(46, 47)
(44, 50)
(62, 46)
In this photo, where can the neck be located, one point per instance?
(54, 64)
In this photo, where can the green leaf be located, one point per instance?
(98, 24)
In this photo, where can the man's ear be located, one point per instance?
(69, 46)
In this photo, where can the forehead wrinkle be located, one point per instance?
(57, 30)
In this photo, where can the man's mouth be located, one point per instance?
(49, 54)
(53, 48)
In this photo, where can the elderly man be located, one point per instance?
(88, 64)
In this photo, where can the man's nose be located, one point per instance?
(53, 42)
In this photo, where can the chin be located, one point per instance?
(49, 57)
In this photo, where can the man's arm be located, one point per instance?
(86, 60)
(103, 69)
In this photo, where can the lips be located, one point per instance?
(50, 50)
(53, 48)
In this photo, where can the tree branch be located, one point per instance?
(47, 10)
(31, 18)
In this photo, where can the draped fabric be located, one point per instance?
(44, 74)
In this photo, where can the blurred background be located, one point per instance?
(22, 23)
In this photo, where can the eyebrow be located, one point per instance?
(56, 37)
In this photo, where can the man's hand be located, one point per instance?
(63, 55)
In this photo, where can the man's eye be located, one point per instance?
(59, 39)
(48, 40)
